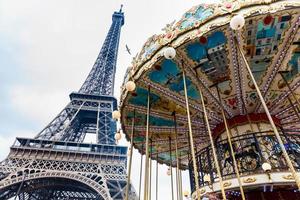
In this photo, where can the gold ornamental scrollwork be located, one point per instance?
(249, 180)
(288, 177)
(202, 191)
(227, 184)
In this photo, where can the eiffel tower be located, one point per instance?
(57, 164)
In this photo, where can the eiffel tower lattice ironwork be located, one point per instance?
(57, 164)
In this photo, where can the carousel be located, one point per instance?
(217, 94)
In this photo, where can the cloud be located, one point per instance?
(7, 139)
(34, 103)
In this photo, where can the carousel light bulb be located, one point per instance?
(186, 193)
(129, 151)
(130, 86)
(237, 22)
(118, 136)
(206, 178)
(116, 114)
(266, 167)
(170, 53)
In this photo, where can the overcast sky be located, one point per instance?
(48, 47)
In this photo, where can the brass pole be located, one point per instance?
(191, 136)
(147, 148)
(295, 107)
(130, 157)
(177, 157)
(180, 180)
(228, 132)
(156, 189)
(285, 155)
(212, 145)
(150, 171)
(180, 183)
(172, 190)
(141, 172)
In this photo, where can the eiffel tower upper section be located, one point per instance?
(90, 109)
(100, 80)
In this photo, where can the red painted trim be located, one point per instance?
(242, 119)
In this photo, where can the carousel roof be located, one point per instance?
(203, 41)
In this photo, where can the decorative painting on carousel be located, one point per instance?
(140, 120)
(168, 74)
(251, 98)
(138, 139)
(263, 38)
(271, 96)
(149, 47)
(225, 87)
(167, 157)
(139, 98)
(210, 55)
(294, 63)
(195, 16)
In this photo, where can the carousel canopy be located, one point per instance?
(205, 48)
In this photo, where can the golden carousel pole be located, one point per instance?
(141, 172)
(172, 189)
(178, 188)
(156, 185)
(146, 180)
(285, 155)
(150, 170)
(130, 157)
(180, 185)
(212, 145)
(228, 133)
(180, 179)
(191, 135)
(170, 53)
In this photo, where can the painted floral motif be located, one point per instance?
(150, 46)
(193, 17)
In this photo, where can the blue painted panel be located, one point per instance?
(169, 75)
(197, 51)
(140, 120)
(142, 97)
(195, 16)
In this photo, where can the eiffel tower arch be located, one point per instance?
(57, 164)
